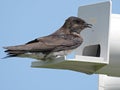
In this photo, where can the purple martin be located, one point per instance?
(59, 43)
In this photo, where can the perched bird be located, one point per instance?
(57, 44)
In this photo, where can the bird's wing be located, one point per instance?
(48, 43)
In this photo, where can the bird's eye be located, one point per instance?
(77, 21)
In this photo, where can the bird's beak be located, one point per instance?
(89, 25)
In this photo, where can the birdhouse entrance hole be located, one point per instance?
(92, 50)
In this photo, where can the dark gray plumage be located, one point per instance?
(57, 44)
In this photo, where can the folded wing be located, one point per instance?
(52, 43)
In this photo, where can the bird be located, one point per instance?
(58, 44)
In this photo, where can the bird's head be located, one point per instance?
(75, 24)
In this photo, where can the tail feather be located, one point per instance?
(8, 56)
(13, 51)
(19, 47)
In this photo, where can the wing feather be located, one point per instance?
(48, 43)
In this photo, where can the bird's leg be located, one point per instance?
(49, 56)
(46, 56)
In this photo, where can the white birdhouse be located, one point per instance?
(100, 47)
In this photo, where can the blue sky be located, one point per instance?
(25, 20)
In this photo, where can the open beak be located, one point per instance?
(89, 25)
